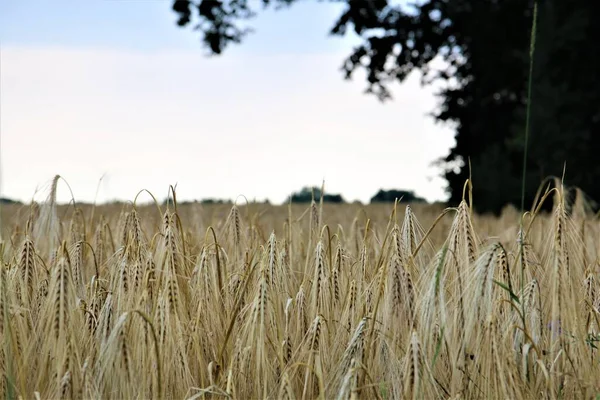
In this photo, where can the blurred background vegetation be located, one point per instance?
(484, 46)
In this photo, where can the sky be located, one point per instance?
(115, 98)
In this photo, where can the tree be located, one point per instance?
(389, 196)
(306, 196)
(566, 98)
(485, 48)
(5, 200)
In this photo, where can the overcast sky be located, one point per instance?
(113, 88)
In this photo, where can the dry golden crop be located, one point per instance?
(294, 302)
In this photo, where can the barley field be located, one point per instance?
(312, 301)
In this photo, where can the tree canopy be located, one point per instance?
(307, 193)
(389, 196)
(485, 46)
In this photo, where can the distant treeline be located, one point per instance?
(306, 195)
(4, 200)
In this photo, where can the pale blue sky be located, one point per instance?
(143, 25)
(115, 88)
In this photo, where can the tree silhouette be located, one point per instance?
(485, 48)
(389, 196)
(307, 193)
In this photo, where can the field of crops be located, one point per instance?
(299, 302)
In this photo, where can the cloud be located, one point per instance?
(261, 126)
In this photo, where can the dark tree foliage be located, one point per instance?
(4, 200)
(485, 46)
(306, 196)
(215, 201)
(566, 96)
(389, 196)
